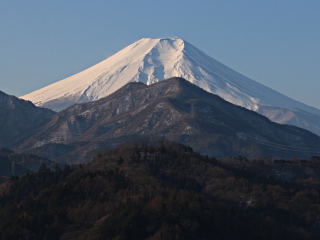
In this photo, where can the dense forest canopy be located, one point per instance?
(163, 190)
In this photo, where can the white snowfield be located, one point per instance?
(151, 60)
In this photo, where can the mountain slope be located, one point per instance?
(18, 118)
(23, 163)
(174, 109)
(152, 60)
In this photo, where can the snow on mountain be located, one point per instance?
(151, 60)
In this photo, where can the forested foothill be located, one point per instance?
(164, 190)
(17, 164)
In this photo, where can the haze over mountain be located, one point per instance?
(174, 109)
(152, 60)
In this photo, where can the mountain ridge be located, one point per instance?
(151, 60)
(175, 109)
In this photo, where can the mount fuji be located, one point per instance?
(151, 60)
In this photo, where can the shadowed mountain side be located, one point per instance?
(18, 118)
(175, 109)
(23, 163)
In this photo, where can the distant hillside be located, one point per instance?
(23, 163)
(174, 109)
(163, 190)
(18, 119)
(6, 168)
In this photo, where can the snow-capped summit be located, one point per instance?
(151, 60)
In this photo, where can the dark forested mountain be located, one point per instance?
(174, 109)
(23, 163)
(18, 119)
(8, 168)
(163, 190)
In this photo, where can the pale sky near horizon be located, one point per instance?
(275, 43)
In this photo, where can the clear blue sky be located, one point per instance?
(276, 43)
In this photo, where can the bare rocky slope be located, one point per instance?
(175, 109)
